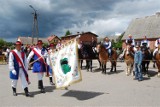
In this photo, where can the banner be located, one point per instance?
(65, 65)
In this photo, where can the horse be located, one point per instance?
(129, 59)
(104, 57)
(86, 53)
(146, 60)
(157, 57)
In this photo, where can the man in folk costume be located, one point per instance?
(51, 50)
(18, 68)
(39, 55)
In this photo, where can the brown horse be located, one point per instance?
(104, 57)
(129, 59)
(157, 57)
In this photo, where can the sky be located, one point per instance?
(55, 17)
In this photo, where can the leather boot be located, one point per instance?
(41, 86)
(51, 81)
(14, 91)
(27, 93)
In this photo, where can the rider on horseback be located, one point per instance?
(157, 42)
(108, 45)
(145, 43)
(130, 44)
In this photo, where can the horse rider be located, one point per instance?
(40, 67)
(51, 50)
(130, 43)
(18, 69)
(145, 43)
(108, 45)
(157, 42)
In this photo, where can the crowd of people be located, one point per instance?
(20, 60)
(19, 63)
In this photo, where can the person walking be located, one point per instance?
(18, 69)
(39, 54)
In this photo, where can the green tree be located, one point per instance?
(68, 33)
(2, 43)
(118, 44)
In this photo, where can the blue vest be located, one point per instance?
(16, 67)
(39, 66)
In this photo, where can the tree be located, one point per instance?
(2, 43)
(68, 33)
(118, 44)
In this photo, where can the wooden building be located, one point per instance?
(85, 37)
(53, 39)
(148, 26)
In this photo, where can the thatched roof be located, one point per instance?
(148, 26)
(28, 40)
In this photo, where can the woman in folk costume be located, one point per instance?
(18, 68)
(39, 55)
(51, 48)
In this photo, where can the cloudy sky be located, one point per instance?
(103, 17)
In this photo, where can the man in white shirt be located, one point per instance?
(40, 67)
(18, 68)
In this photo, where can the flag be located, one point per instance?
(65, 65)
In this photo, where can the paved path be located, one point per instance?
(95, 89)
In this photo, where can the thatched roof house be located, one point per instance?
(147, 26)
(28, 40)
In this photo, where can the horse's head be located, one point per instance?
(99, 47)
(144, 49)
(129, 50)
(146, 53)
(84, 52)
